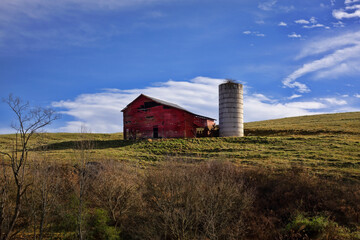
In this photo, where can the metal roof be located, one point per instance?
(167, 104)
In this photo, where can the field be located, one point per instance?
(327, 144)
(291, 178)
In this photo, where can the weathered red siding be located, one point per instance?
(144, 118)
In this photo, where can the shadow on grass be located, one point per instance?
(95, 144)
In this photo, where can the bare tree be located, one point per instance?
(83, 156)
(42, 193)
(28, 121)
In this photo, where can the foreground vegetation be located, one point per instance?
(294, 178)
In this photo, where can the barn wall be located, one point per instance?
(140, 121)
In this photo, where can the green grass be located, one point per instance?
(327, 145)
(340, 123)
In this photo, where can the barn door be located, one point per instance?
(155, 132)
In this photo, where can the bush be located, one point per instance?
(97, 228)
(208, 201)
(310, 227)
(317, 227)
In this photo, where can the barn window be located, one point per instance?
(151, 104)
(166, 107)
(149, 117)
(148, 105)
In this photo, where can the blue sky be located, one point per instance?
(89, 58)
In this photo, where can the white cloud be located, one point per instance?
(294, 35)
(260, 22)
(357, 95)
(261, 97)
(314, 25)
(348, 11)
(100, 112)
(247, 32)
(294, 96)
(302, 21)
(334, 101)
(313, 20)
(352, 7)
(351, 1)
(306, 105)
(341, 13)
(300, 87)
(341, 56)
(332, 2)
(283, 24)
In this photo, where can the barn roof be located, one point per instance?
(162, 102)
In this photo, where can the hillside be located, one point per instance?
(292, 178)
(338, 123)
(327, 144)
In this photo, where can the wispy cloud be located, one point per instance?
(318, 25)
(42, 8)
(267, 5)
(282, 24)
(323, 45)
(22, 22)
(306, 105)
(255, 33)
(341, 55)
(338, 24)
(334, 101)
(100, 112)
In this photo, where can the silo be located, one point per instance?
(231, 111)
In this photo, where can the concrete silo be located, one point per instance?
(231, 111)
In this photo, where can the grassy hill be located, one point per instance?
(326, 144)
(339, 123)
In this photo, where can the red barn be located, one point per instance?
(148, 117)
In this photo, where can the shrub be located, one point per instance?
(208, 201)
(97, 228)
(317, 227)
